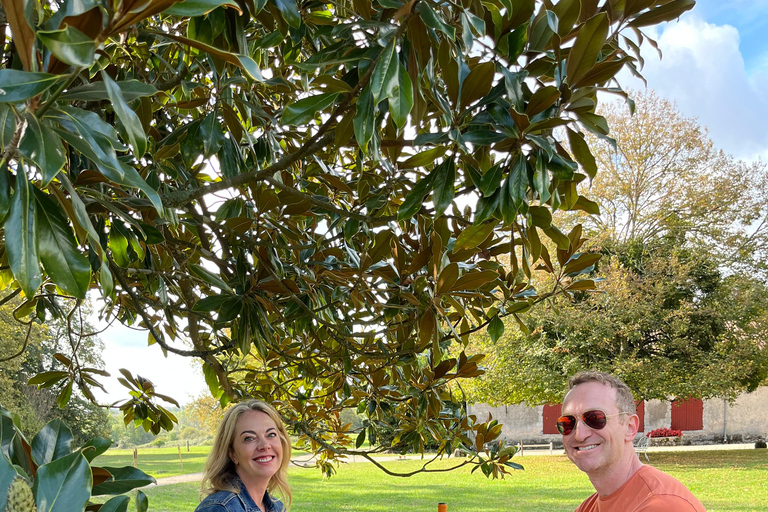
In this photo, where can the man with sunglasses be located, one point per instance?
(598, 425)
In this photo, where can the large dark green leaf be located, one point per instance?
(192, 8)
(444, 183)
(415, 198)
(5, 192)
(97, 91)
(303, 111)
(495, 329)
(131, 124)
(116, 504)
(7, 474)
(63, 485)
(58, 251)
(518, 182)
(230, 158)
(581, 152)
(7, 124)
(16, 86)
(54, 441)
(96, 140)
(364, 118)
(43, 147)
(290, 11)
(385, 77)
(433, 20)
(95, 447)
(69, 45)
(21, 237)
(123, 480)
(401, 99)
(589, 42)
(210, 133)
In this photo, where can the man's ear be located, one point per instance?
(633, 423)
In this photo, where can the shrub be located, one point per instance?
(57, 476)
(665, 432)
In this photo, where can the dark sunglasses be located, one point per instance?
(593, 419)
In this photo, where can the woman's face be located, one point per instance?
(256, 449)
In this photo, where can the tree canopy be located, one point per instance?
(310, 197)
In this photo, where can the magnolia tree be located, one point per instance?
(311, 198)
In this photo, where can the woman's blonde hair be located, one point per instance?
(220, 473)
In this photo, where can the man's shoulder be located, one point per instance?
(665, 490)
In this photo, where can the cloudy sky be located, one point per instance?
(714, 66)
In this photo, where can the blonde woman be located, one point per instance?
(248, 462)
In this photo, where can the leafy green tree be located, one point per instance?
(674, 326)
(276, 187)
(665, 177)
(35, 349)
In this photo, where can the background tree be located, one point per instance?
(672, 327)
(44, 349)
(665, 175)
(274, 187)
(678, 313)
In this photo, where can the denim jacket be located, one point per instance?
(228, 501)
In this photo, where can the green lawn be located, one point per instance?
(725, 481)
(159, 462)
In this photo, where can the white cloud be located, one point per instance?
(175, 376)
(703, 71)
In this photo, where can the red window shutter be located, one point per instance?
(551, 413)
(641, 414)
(687, 414)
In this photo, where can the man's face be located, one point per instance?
(598, 451)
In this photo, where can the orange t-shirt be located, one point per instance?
(648, 490)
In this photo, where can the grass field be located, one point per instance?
(725, 481)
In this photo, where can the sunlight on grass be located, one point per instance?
(732, 481)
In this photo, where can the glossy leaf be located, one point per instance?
(192, 8)
(21, 237)
(5, 192)
(63, 485)
(16, 86)
(130, 121)
(304, 110)
(7, 474)
(7, 124)
(589, 41)
(478, 83)
(42, 147)
(385, 78)
(116, 504)
(401, 99)
(495, 329)
(472, 236)
(54, 441)
(69, 45)
(415, 198)
(666, 12)
(290, 11)
(97, 91)
(58, 251)
(124, 479)
(443, 185)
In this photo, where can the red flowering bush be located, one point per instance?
(665, 432)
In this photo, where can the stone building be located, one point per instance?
(702, 422)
